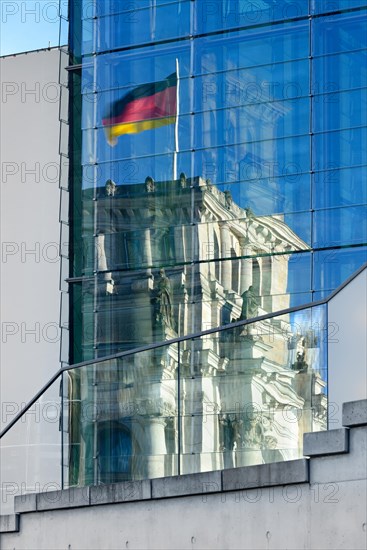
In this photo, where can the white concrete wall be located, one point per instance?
(347, 350)
(30, 265)
(29, 223)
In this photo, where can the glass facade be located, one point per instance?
(251, 201)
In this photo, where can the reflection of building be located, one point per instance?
(255, 118)
(138, 232)
(247, 394)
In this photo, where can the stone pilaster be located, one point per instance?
(246, 265)
(226, 264)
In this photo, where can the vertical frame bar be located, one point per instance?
(62, 428)
(179, 424)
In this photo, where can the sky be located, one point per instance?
(30, 25)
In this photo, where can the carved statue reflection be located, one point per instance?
(250, 304)
(111, 188)
(163, 300)
(253, 434)
(227, 432)
(183, 179)
(149, 184)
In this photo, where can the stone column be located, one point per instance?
(155, 445)
(101, 260)
(147, 250)
(246, 265)
(226, 265)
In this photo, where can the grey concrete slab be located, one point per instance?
(355, 413)
(191, 484)
(345, 467)
(326, 443)
(25, 503)
(299, 516)
(69, 498)
(126, 491)
(337, 515)
(9, 523)
(265, 475)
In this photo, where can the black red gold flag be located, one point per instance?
(143, 108)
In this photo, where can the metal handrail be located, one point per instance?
(177, 340)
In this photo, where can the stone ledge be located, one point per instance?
(349, 466)
(189, 484)
(354, 413)
(326, 443)
(247, 477)
(75, 497)
(266, 475)
(9, 524)
(25, 503)
(126, 491)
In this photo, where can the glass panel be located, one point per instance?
(30, 453)
(339, 33)
(101, 8)
(251, 85)
(64, 103)
(88, 39)
(123, 418)
(159, 141)
(127, 69)
(64, 172)
(340, 187)
(252, 47)
(320, 6)
(64, 206)
(136, 170)
(340, 226)
(252, 235)
(119, 245)
(340, 149)
(64, 241)
(342, 71)
(96, 105)
(63, 10)
(336, 111)
(64, 346)
(64, 274)
(63, 32)
(213, 15)
(247, 160)
(139, 26)
(264, 192)
(64, 138)
(225, 127)
(64, 310)
(138, 250)
(251, 392)
(81, 320)
(332, 267)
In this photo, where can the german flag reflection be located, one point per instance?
(146, 107)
